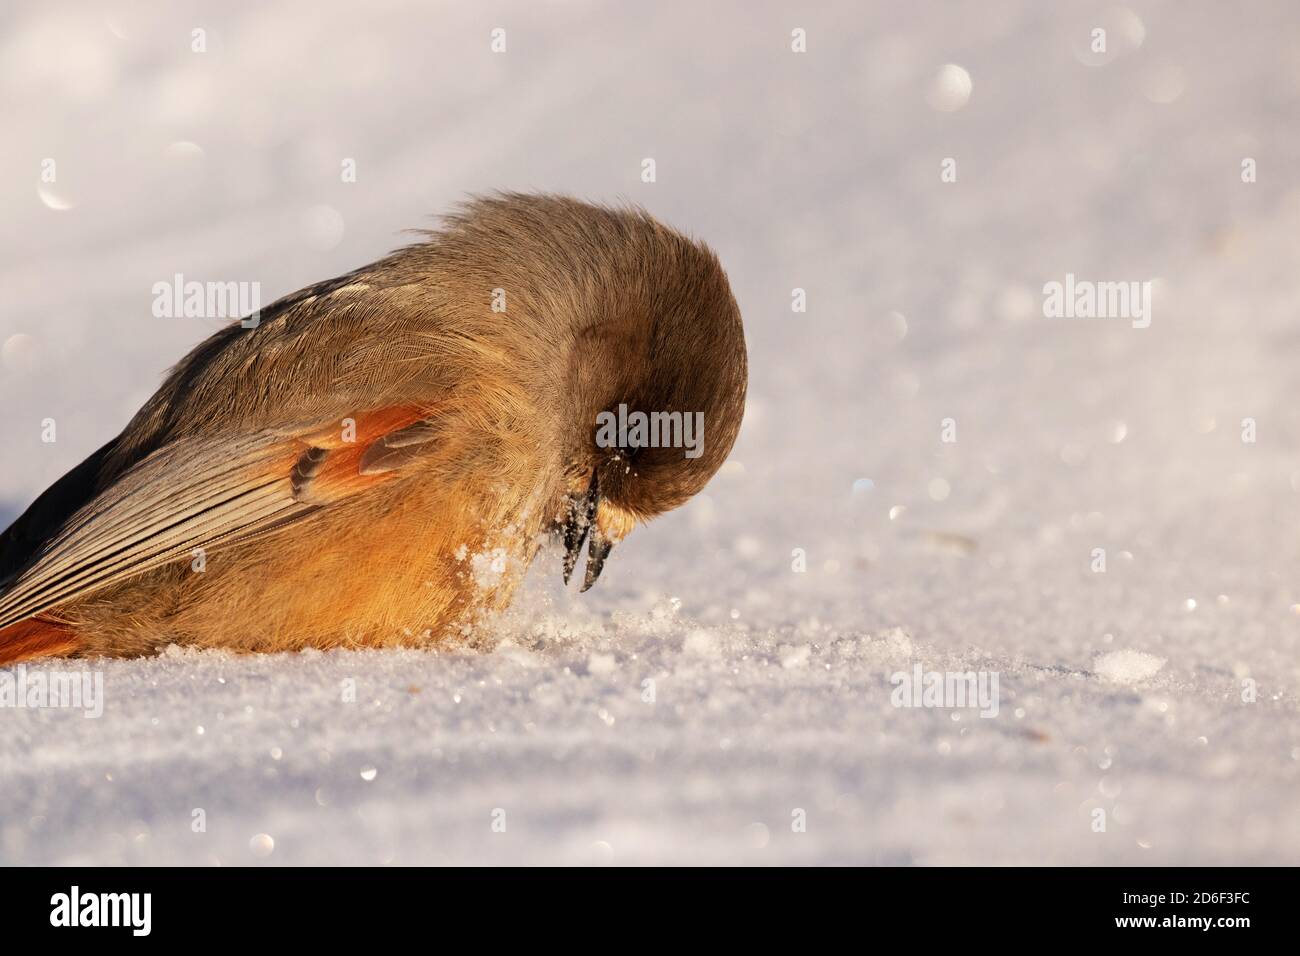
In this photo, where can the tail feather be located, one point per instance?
(33, 638)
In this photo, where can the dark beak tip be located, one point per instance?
(598, 549)
(578, 528)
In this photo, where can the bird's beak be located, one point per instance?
(578, 525)
(597, 551)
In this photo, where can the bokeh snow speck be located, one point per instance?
(1094, 526)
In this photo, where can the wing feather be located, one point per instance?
(200, 493)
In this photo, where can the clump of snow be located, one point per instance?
(1128, 666)
(794, 656)
(897, 641)
(701, 643)
(488, 568)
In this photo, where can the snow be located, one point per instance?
(706, 702)
(1127, 666)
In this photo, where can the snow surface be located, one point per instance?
(1125, 690)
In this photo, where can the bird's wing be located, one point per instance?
(206, 492)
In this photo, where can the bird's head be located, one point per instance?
(657, 377)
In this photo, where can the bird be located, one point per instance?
(376, 459)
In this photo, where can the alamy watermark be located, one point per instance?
(946, 690)
(134, 911)
(1085, 299)
(624, 429)
(23, 689)
(181, 299)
